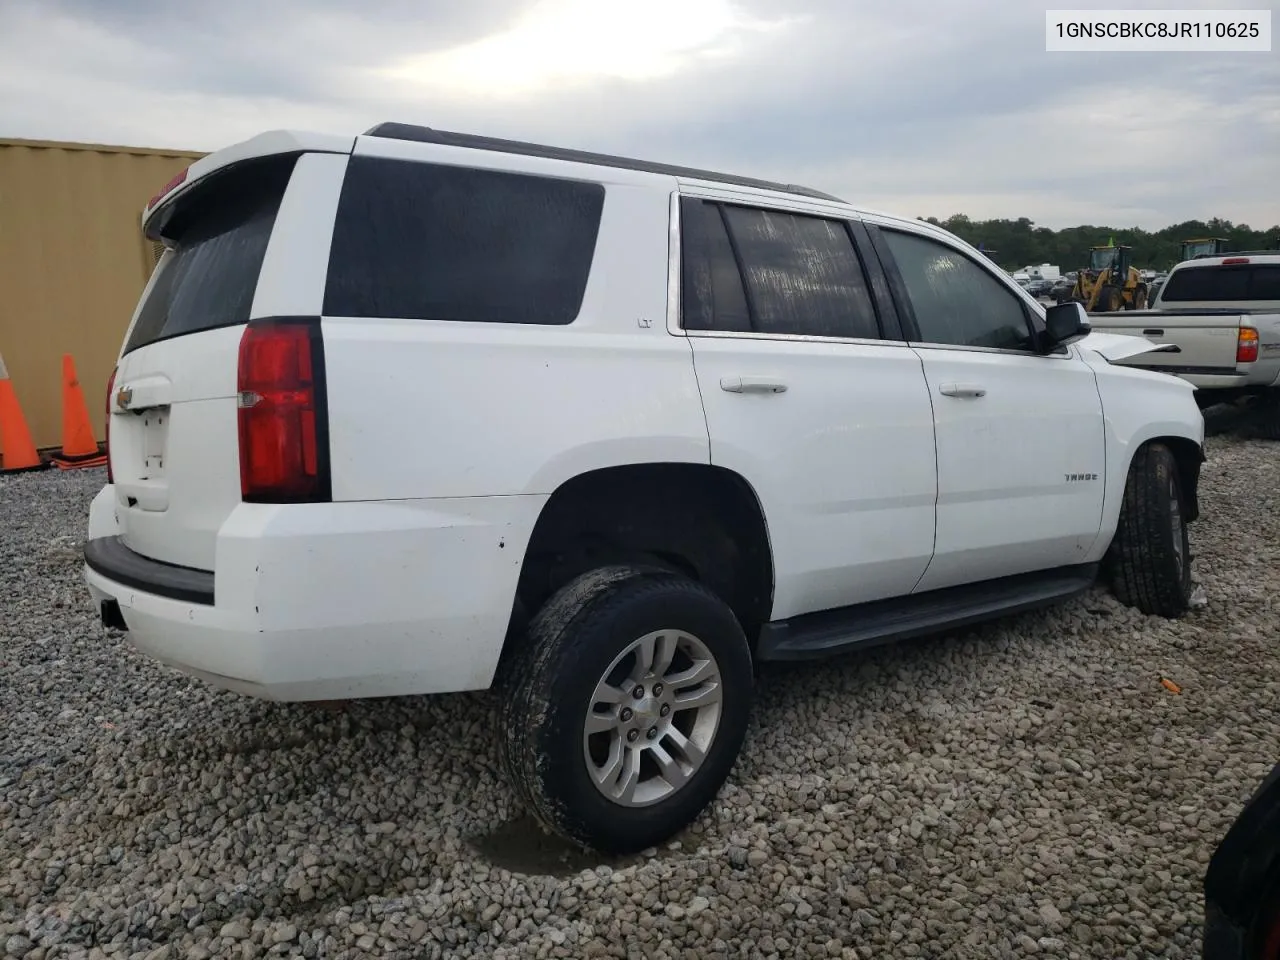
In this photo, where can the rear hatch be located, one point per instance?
(172, 436)
(1206, 340)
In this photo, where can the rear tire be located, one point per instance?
(661, 741)
(1149, 562)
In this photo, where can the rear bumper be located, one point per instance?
(109, 557)
(327, 601)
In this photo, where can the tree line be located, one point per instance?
(1017, 243)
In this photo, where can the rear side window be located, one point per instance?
(427, 241)
(771, 271)
(1210, 284)
(218, 233)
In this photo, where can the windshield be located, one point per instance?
(1195, 248)
(1102, 258)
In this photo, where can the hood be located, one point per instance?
(1117, 347)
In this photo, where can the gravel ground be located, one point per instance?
(1029, 788)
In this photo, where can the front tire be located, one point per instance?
(1111, 300)
(625, 707)
(1149, 562)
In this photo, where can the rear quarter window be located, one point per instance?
(429, 241)
(218, 233)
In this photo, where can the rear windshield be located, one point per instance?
(1214, 284)
(219, 236)
(425, 241)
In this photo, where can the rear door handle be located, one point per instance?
(752, 385)
(1152, 332)
(962, 390)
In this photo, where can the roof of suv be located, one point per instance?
(405, 131)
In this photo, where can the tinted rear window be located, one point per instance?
(433, 242)
(1259, 281)
(219, 234)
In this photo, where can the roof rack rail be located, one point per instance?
(407, 131)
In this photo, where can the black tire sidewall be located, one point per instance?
(1161, 474)
(588, 644)
(1165, 471)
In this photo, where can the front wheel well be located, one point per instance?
(702, 521)
(1188, 455)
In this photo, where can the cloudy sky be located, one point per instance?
(922, 107)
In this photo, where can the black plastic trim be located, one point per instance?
(419, 134)
(115, 561)
(897, 286)
(1190, 371)
(818, 635)
(891, 327)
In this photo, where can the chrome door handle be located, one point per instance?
(962, 390)
(752, 385)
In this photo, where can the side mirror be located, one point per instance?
(1065, 323)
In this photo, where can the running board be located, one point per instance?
(884, 621)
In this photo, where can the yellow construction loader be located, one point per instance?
(1110, 282)
(1207, 247)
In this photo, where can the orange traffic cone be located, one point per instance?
(15, 437)
(79, 448)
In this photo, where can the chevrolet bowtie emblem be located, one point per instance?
(123, 397)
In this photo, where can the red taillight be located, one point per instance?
(284, 456)
(1235, 260)
(168, 187)
(1247, 345)
(106, 425)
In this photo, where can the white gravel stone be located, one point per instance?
(1026, 788)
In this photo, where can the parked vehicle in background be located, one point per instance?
(418, 412)
(1042, 271)
(1110, 282)
(1223, 315)
(1062, 288)
(1242, 884)
(1039, 287)
(1205, 247)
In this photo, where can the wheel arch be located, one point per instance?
(704, 521)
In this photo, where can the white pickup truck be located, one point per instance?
(1223, 316)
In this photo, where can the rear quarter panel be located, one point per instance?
(454, 409)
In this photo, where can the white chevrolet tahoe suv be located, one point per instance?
(415, 412)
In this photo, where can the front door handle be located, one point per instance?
(752, 385)
(962, 390)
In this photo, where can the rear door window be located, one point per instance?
(428, 241)
(219, 234)
(749, 269)
(1220, 284)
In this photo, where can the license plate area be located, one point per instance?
(155, 437)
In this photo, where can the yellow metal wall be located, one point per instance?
(73, 262)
